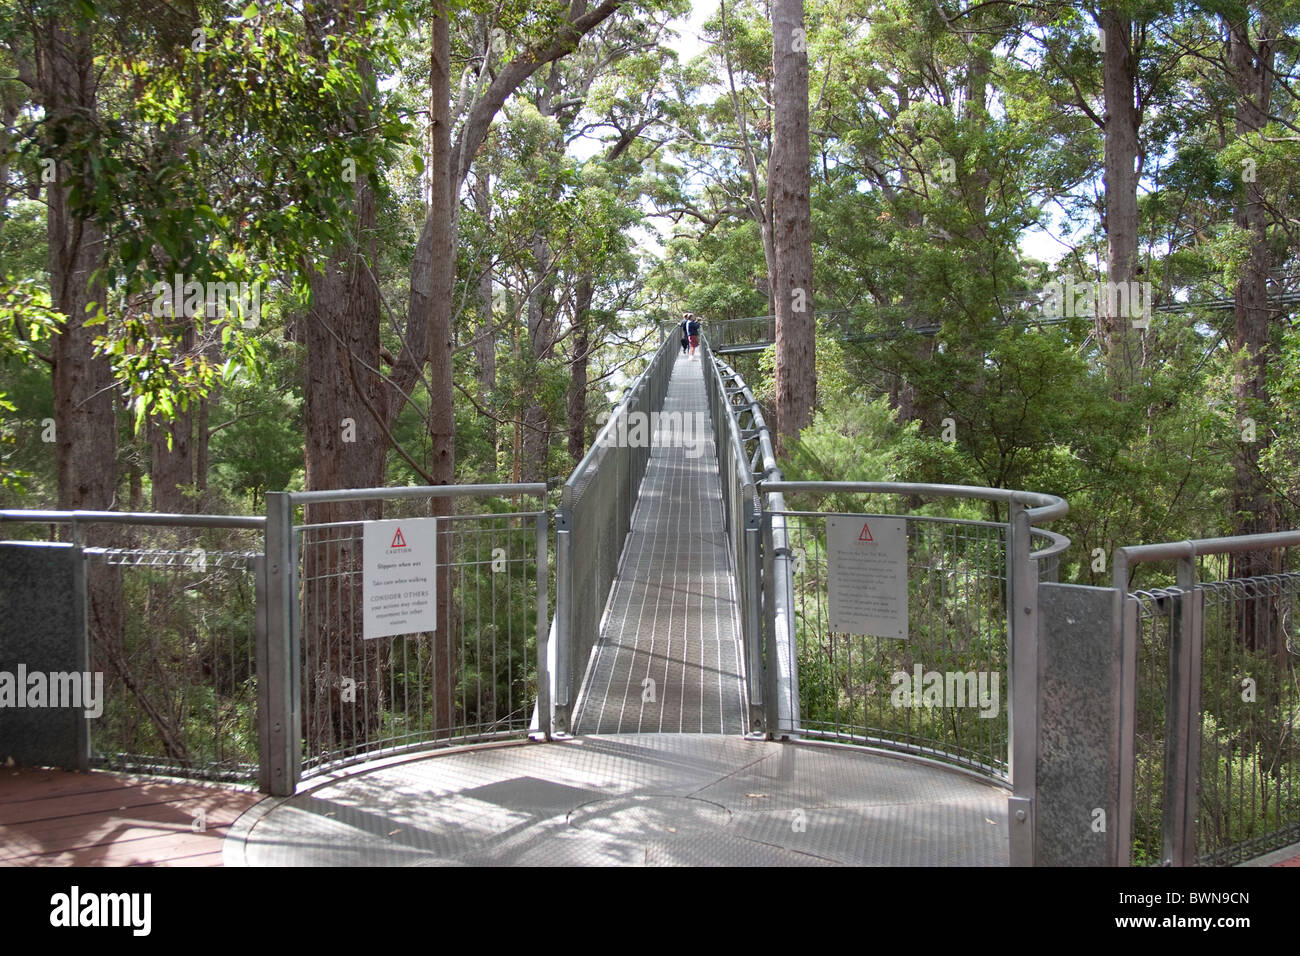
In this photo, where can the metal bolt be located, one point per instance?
(1020, 815)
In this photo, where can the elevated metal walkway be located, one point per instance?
(701, 699)
(671, 665)
(669, 659)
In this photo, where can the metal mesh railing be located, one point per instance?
(1249, 798)
(1156, 623)
(945, 690)
(1215, 752)
(811, 681)
(179, 667)
(739, 470)
(941, 691)
(593, 522)
(726, 333)
(173, 628)
(753, 333)
(474, 677)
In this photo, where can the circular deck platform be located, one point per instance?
(635, 800)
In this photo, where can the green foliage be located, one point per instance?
(256, 428)
(180, 679)
(224, 157)
(26, 324)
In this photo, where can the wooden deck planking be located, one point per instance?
(60, 818)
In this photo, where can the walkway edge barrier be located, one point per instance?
(278, 678)
(592, 523)
(760, 550)
(1022, 576)
(1183, 705)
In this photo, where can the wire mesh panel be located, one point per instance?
(746, 457)
(598, 501)
(1241, 753)
(724, 333)
(173, 629)
(740, 506)
(1249, 794)
(472, 678)
(1156, 623)
(941, 692)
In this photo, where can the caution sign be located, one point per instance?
(867, 575)
(399, 584)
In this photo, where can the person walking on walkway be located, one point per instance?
(686, 332)
(693, 333)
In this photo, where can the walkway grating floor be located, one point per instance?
(639, 800)
(668, 659)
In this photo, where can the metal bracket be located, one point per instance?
(1020, 818)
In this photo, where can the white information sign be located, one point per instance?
(867, 579)
(398, 560)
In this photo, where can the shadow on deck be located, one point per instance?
(636, 800)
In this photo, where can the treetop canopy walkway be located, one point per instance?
(693, 636)
(758, 333)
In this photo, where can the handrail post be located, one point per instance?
(563, 622)
(770, 671)
(279, 731)
(1022, 672)
(1182, 721)
(1126, 620)
(753, 622)
(544, 675)
(783, 657)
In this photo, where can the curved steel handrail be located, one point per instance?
(1040, 506)
(1025, 509)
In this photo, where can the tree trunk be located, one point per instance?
(485, 342)
(85, 414)
(345, 414)
(171, 469)
(1119, 86)
(345, 448)
(537, 422)
(791, 189)
(1254, 510)
(576, 403)
(171, 466)
(438, 347)
(202, 442)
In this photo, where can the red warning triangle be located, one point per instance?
(866, 533)
(398, 540)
